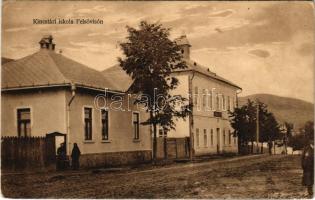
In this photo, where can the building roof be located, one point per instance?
(193, 66)
(115, 73)
(5, 60)
(47, 68)
(182, 40)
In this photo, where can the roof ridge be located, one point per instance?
(49, 54)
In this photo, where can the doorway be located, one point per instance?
(218, 140)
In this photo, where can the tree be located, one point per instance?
(298, 141)
(150, 58)
(309, 131)
(244, 122)
(270, 129)
(287, 135)
(289, 129)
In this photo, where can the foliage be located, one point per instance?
(289, 129)
(150, 58)
(309, 131)
(306, 135)
(243, 122)
(244, 119)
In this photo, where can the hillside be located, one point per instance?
(285, 109)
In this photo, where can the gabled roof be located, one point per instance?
(116, 73)
(47, 68)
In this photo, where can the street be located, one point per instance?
(262, 176)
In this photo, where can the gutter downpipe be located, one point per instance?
(73, 89)
(191, 121)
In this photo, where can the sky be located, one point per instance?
(264, 47)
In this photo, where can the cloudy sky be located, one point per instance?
(265, 47)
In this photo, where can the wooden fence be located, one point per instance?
(25, 152)
(172, 148)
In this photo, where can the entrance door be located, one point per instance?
(53, 141)
(218, 140)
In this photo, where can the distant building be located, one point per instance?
(47, 92)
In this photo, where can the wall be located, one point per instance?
(121, 138)
(49, 114)
(47, 111)
(204, 118)
(203, 115)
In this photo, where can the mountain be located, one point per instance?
(287, 109)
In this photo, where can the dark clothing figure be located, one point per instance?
(75, 155)
(61, 157)
(308, 168)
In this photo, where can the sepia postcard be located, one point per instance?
(157, 99)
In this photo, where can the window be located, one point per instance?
(230, 137)
(217, 102)
(162, 133)
(104, 114)
(197, 137)
(24, 122)
(229, 103)
(88, 123)
(205, 138)
(224, 136)
(223, 102)
(211, 137)
(196, 96)
(234, 140)
(135, 122)
(204, 98)
(233, 104)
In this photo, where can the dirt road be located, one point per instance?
(254, 177)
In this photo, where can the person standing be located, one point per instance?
(61, 157)
(308, 167)
(75, 155)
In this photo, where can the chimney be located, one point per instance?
(183, 43)
(47, 43)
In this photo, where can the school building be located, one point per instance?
(47, 92)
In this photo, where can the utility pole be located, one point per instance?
(257, 126)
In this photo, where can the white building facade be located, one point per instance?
(212, 98)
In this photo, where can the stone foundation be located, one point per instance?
(112, 159)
